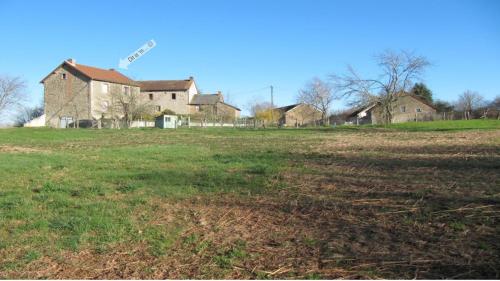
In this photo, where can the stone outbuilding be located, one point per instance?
(298, 115)
(214, 103)
(407, 108)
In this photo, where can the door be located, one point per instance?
(65, 121)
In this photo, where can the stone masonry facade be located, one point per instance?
(67, 94)
(300, 115)
(406, 109)
(79, 94)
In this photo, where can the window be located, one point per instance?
(403, 108)
(158, 108)
(63, 76)
(418, 109)
(174, 96)
(167, 119)
(126, 90)
(150, 96)
(105, 88)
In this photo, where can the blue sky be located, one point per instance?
(241, 47)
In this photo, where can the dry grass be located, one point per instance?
(18, 149)
(354, 205)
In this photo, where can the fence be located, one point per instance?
(142, 124)
(237, 123)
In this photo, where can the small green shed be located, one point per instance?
(166, 121)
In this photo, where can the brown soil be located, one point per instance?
(389, 205)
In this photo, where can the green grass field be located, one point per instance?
(401, 201)
(456, 125)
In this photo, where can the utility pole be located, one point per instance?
(272, 105)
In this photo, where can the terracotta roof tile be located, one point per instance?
(108, 75)
(94, 73)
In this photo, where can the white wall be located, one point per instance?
(192, 91)
(142, 124)
(37, 122)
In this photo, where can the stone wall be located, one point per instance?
(163, 99)
(226, 110)
(405, 109)
(301, 115)
(69, 97)
(105, 104)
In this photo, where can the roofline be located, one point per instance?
(198, 104)
(133, 83)
(162, 90)
(370, 106)
(363, 108)
(129, 84)
(187, 80)
(293, 106)
(63, 63)
(422, 100)
(230, 105)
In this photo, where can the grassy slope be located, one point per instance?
(454, 125)
(72, 190)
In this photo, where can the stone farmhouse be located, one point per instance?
(182, 97)
(83, 95)
(213, 104)
(174, 95)
(407, 108)
(297, 115)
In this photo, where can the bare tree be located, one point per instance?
(12, 93)
(132, 107)
(319, 95)
(468, 101)
(398, 73)
(26, 114)
(445, 108)
(495, 104)
(224, 114)
(124, 106)
(257, 107)
(206, 113)
(261, 112)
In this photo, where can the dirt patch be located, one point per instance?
(19, 149)
(297, 236)
(385, 205)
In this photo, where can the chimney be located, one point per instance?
(71, 61)
(112, 69)
(191, 78)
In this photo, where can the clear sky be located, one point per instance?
(242, 47)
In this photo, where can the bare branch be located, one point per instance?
(12, 92)
(468, 102)
(319, 95)
(398, 72)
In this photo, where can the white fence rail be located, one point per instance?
(142, 124)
